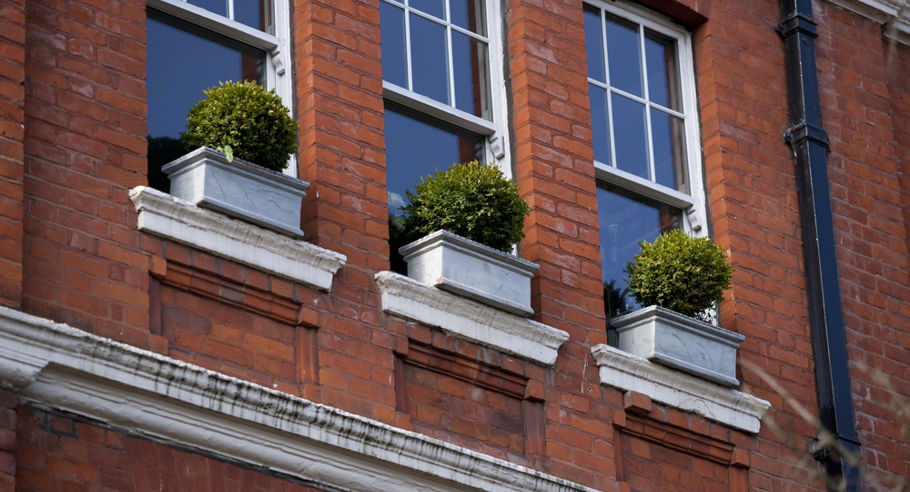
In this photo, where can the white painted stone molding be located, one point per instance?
(893, 15)
(678, 389)
(171, 218)
(63, 368)
(470, 320)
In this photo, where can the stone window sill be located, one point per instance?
(678, 389)
(470, 320)
(171, 218)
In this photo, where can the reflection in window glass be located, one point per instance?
(630, 130)
(253, 13)
(432, 7)
(624, 221)
(182, 61)
(216, 6)
(468, 58)
(624, 55)
(417, 146)
(663, 79)
(468, 14)
(428, 57)
(594, 44)
(668, 137)
(394, 58)
(600, 129)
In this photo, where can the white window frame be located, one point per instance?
(494, 130)
(276, 44)
(692, 204)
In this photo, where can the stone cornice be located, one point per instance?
(169, 217)
(893, 15)
(678, 389)
(121, 386)
(470, 320)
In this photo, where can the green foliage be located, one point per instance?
(246, 120)
(471, 200)
(684, 274)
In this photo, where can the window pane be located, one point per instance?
(624, 55)
(594, 44)
(469, 62)
(394, 65)
(217, 6)
(630, 132)
(663, 78)
(182, 60)
(432, 7)
(253, 13)
(468, 14)
(428, 57)
(624, 221)
(668, 134)
(418, 146)
(600, 129)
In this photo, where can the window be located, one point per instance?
(192, 46)
(645, 136)
(443, 86)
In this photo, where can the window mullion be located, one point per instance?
(230, 9)
(407, 46)
(644, 82)
(609, 91)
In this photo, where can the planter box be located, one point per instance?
(239, 189)
(679, 341)
(470, 269)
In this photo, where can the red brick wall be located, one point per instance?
(57, 453)
(12, 164)
(85, 147)
(740, 73)
(8, 424)
(865, 130)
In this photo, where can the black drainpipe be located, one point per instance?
(809, 143)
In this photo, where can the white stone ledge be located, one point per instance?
(893, 15)
(678, 389)
(63, 368)
(470, 320)
(171, 218)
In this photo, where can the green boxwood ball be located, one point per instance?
(681, 273)
(471, 200)
(246, 117)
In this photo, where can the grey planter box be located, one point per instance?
(470, 269)
(679, 341)
(239, 189)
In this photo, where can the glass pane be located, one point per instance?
(663, 77)
(417, 146)
(217, 6)
(432, 7)
(594, 44)
(469, 15)
(600, 129)
(630, 136)
(394, 65)
(429, 71)
(253, 13)
(668, 139)
(182, 60)
(624, 55)
(469, 63)
(624, 221)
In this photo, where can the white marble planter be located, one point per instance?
(239, 189)
(679, 341)
(470, 269)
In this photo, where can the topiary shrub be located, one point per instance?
(471, 200)
(244, 120)
(681, 273)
